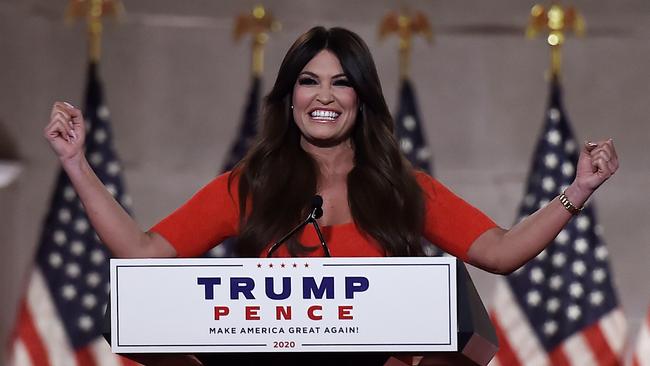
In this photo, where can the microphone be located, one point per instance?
(316, 213)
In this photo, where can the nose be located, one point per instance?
(325, 95)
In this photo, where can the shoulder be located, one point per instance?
(225, 184)
(428, 184)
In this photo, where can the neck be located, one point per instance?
(331, 160)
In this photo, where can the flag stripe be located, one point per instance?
(515, 327)
(102, 353)
(32, 342)
(47, 322)
(85, 357)
(577, 350)
(599, 345)
(558, 357)
(20, 355)
(642, 351)
(612, 326)
(506, 354)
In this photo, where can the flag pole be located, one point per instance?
(555, 20)
(258, 22)
(93, 11)
(405, 25)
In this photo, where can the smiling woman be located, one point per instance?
(327, 130)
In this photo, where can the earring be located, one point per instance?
(361, 108)
(292, 106)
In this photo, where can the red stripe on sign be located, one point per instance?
(558, 358)
(27, 332)
(505, 355)
(85, 357)
(599, 346)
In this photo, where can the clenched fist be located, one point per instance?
(66, 132)
(598, 161)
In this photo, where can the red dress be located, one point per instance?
(212, 215)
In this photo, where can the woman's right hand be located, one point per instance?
(66, 132)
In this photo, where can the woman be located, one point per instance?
(326, 130)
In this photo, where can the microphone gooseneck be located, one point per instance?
(316, 213)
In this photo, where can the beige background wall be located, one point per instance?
(176, 83)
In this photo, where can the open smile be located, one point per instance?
(324, 115)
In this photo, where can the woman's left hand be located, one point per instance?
(597, 162)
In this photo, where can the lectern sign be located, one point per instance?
(283, 304)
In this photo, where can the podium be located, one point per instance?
(453, 329)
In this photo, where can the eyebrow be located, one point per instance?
(316, 76)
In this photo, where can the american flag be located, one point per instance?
(410, 135)
(561, 307)
(408, 127)
(641, 356)
(243, 142)
(60, 317)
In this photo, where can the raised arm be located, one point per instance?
(66, 134)
(503, 251)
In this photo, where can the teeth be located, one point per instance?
(324, 114)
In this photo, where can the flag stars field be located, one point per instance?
(100, 136)
(550, 327)
(601, 253)
(69, 194)
(554, 137)
(77, 248)
(570, 147)
(55, 260)
(596, 298)
(576, 290)
(553, 305)
(574, 312)
(558, 259)
(64, 215)
(555, 282)
(581, 246)
(599, 275)
(562, 237)
(93, 279)
(533, 298)
(554, 115)
(551, 160)
(59, 237)
(537, 275)
(568, 169)
(583, 223)
(578, 267)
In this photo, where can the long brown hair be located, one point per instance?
(277, 178)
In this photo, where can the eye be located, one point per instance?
(306, 81)
(342, 82)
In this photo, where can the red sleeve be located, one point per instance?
(450, 223)
(208, 218)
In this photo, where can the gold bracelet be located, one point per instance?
(569, 205)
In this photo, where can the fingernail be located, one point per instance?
(591, 144)
(71, 124)
(74, 135)
(68, 104)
